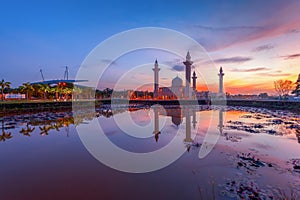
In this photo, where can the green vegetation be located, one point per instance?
(41, 92)
(27, 89)
(4, 85)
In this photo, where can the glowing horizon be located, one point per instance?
(256, 42)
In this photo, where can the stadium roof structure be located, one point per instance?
(49, 82)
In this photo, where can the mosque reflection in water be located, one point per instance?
(178, 114)
(44, 122)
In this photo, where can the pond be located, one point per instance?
(141, 152)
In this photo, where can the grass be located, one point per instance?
(284, 195)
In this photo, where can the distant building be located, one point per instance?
(203, 95)
(177, 90)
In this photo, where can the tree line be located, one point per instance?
(61, 91)
(64, 91)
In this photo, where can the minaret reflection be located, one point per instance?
(156, 131)
(194, 119)
(188, 134)
(177, 115)
(221, 123)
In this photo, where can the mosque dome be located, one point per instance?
(177, 82)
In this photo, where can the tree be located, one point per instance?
(108, 92)
(67, 92)
(263, 95)
(283, 87)
(76, 92)
(43, 89)
(297, 88)
(55, 90)
(28, 89)
(4, 85)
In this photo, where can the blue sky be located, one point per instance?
(240, 35)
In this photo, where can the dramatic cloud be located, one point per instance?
(229, 28)
(293, 31)
(292, 56)
(178, 68)
(223, 36)
(263, 48)
(251, 70)
(274, 74)
(236, 59)
(218, 36)
(107, 61)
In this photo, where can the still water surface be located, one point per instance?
(257, 154)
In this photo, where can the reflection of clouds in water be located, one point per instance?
(262, 146)
(141, 117)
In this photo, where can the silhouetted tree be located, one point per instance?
(283, 87)
(263, 95)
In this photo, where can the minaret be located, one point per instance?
(221, 74)
(156, 83)
(188, 64)
(194, 81)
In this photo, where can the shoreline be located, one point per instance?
(41, 106)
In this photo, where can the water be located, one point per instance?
(253, 153)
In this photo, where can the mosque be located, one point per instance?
(177, 89)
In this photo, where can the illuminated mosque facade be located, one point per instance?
(177, 90)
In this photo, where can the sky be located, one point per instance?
(256, 42)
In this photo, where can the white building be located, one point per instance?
(177, 90)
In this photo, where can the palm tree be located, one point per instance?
(43, 89)
(108, 92)
(76, 92)
(55, 91)
(4, 85)
(28, 89)
(67, 91)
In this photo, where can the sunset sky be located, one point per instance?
(256, 42)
